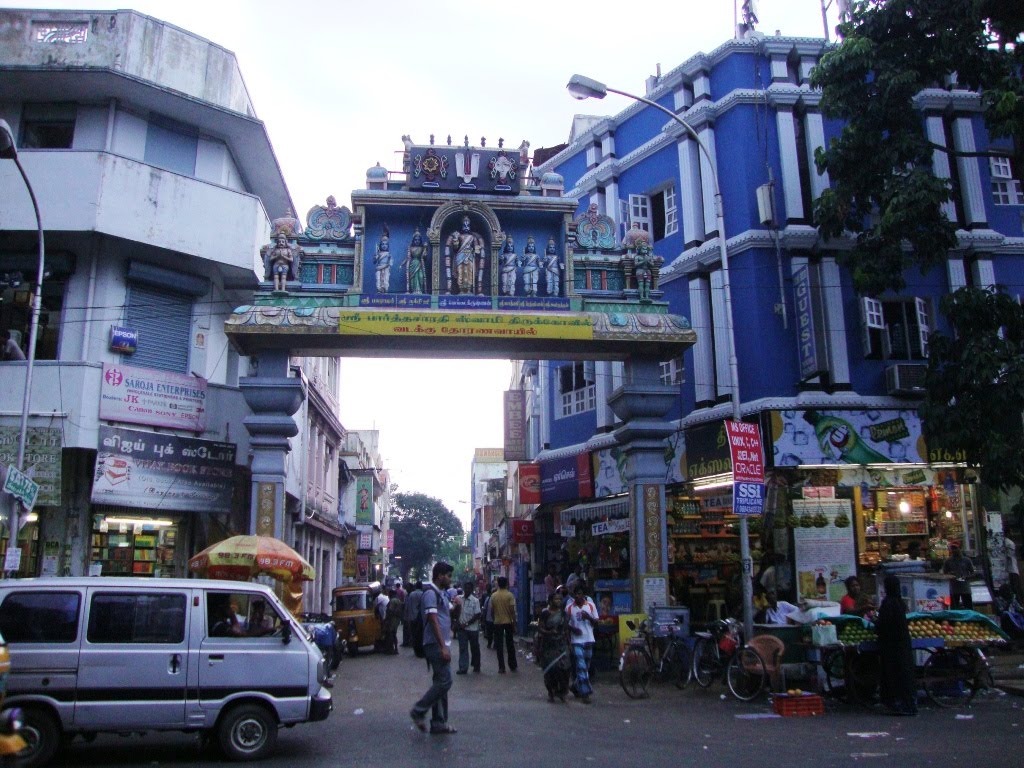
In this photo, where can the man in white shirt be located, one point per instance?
(582, 615)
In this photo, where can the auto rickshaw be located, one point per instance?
(354, 615)
(10, 719)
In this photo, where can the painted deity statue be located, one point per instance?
(465, 248)
(416, 265)
(382, 263)
(507, 261)
(281, 261)
(528, 261)
(552, 273)
(642, 263)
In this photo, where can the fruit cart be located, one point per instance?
(951, 663)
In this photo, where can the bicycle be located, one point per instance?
(721, 652)
(645, 658)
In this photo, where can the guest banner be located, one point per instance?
(155, 471)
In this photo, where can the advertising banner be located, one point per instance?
(391, 539)
(153, 471)
(566, 479)
(810, 324)
(850, 437)
(362, 567)
(747, 457)
(515, 425)
(605, 527)
(824, 552)
(157, 398)
(522, 531)
(364, 500)
(609, 465)
(707, 451)
(465, 324)
(42, 459)
(529, 483)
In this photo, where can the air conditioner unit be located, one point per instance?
(905, 378)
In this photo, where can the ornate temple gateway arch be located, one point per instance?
(460, 259)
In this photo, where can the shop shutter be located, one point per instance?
(164, 321)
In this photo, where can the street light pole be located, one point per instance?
(8, 151)
(581, 87)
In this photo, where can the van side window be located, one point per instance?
(240, 615)
(136, 618)
(40, 617)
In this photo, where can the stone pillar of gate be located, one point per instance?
(641, 403)
(274, 397)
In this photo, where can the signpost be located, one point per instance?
(21, 487)
(747, 467)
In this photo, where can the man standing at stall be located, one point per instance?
(961, 569)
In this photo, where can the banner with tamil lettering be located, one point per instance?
(157, 471)
(468, 325)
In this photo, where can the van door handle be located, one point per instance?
(175, 663)
(216, 657)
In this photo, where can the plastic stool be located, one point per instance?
(716, 609)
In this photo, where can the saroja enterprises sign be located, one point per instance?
(157, 398)
(153, 471)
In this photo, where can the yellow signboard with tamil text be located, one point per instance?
(465, 324)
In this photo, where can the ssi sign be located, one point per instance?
(747, 498)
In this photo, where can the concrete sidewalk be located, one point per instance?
(1008, 669)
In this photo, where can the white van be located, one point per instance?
(129, 655)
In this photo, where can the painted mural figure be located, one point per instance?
(382, 263)
(528, 261)
(552, 270)
(416, 265)
(507, 261)
(281, 261)
(466, 248)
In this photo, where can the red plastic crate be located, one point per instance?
(804, 705)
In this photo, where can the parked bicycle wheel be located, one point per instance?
(951, 677)
(833, 662)
(746, 674)
(635, 671)
(705, 662)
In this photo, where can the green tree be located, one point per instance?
(883, 190)
(423, 526)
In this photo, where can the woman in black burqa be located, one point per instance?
(896, 681)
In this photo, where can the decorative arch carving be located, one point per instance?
(458, 208)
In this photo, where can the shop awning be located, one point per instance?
(593, 510)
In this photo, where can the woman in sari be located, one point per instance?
(554, 648)
(896, 679)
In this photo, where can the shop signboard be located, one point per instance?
(707, 451)
(362, 567)
(566, 479)
(157, 398)
(515, 426)
(747, 457)
(824, 552)
(847, 437)
(609, 467)
(529, 483)
(810, 324)
(348, 561)
(158, 471)
(42, 459)
(605, 527)
(522, 531)
(366, 540)
(364, 500)
(391, 539)
(21, 486)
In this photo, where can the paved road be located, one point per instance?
(505, 720)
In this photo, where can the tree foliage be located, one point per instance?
(884, 190)
(423, 526)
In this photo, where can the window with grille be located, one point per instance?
(1005, 188)
(672, 372)
(895, 329)
(576, 388)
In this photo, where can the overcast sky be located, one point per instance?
(338, 82)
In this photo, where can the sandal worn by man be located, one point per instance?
(419, 721)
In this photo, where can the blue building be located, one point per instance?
(832, 379)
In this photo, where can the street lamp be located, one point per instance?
(8, 151)
(581, 87)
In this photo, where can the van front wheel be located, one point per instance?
(248, 732)
(42, 736)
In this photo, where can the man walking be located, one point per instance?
(503, 609)
(582, 618)
(437, 632)
(469, 629)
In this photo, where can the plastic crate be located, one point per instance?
(804, 705)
